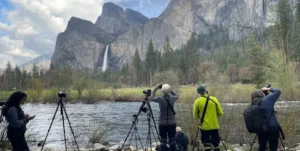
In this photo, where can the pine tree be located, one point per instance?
(137, 63)
(9, 76)
(257, 60)
(35, 72)
(283, 26)
(24, 78)
(18, 77)
(192, 58)
(158, 61)
(167, 55)
(150, 57)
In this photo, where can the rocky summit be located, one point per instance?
(83, 43)
(115, 20)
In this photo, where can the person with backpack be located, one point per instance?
(181, 139)
(208, 109)
(17, 121)
(167, 123)
(271, 132)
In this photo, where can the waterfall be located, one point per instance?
(104, 66)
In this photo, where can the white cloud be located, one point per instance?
(31, 26)
(11, 51)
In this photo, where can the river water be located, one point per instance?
(115, 118)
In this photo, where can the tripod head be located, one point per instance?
(62, 94)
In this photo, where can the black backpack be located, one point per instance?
(255, 119)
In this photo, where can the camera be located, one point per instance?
(266, 92)
(62, 94)
(147, 92)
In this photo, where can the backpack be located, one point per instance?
(255, 119)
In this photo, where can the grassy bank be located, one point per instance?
(225, 93)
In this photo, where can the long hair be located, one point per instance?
(256, 96)
(13, 101)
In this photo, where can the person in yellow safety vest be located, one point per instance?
(210, 106)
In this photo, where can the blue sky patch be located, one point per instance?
(4, 5)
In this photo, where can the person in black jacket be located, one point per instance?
(17, 121)
(182, 139)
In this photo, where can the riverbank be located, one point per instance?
(226, 93)
(116, 147)
(111, 121)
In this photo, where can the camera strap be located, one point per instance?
(204, 111)
(169, 104)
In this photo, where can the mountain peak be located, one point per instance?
(111, 7)
(116, 21)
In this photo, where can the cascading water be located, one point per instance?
(104, 66)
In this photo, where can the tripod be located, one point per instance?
(282, 137)
(197, 138)
(62, 111)
(146, 108)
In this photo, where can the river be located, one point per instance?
(113, 117)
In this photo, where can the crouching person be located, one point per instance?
(181, 139)
(167, 124)
(208, 109)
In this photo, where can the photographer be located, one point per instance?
(267, 102)
(17, 121)
(167, 124)
(208, 109)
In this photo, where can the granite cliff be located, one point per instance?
(127, 30)
(82, 45)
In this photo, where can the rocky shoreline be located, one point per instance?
(116, 147)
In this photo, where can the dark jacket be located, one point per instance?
(267, 106)
(16, 119)
(183, 140)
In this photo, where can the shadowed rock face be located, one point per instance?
(115, 20)
(80, 45)
(83, 43)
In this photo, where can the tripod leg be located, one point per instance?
(282, 143)
(133, 124)
(131, 137)
(70, 125)
(149, 130)
(140, 140)
(155, 139)
(153, 120)
(253, 142)
(223, 143)
(63, 120)
(136, 141)
(198, 129)
(50, 126)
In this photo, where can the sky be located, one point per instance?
(28, 28)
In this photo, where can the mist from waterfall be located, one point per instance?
(104, 66)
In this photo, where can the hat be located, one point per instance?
(201, 89)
